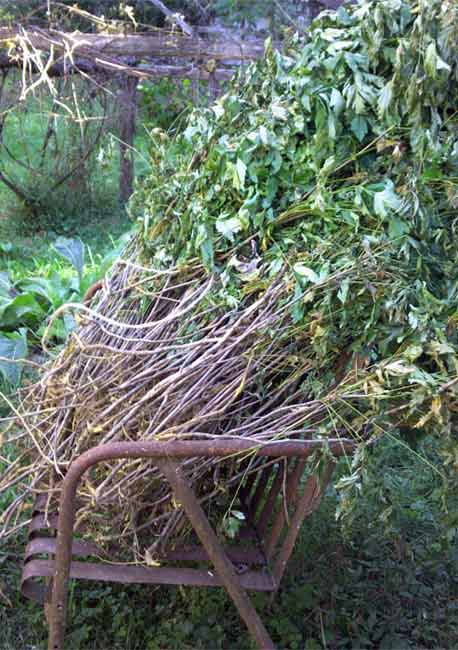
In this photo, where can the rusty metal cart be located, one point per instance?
(275, 502)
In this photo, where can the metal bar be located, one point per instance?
(216, 553)
(41, 545)
(308, 502)
(217, 448)
(245, 490)
(237, 554)
(39, 522)
(258, 493)
(253, 580)
(269, 505)
(280, 518)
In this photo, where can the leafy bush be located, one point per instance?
(27, 303)
(161, 102)
(165, 103)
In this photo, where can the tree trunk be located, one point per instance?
(127, 116)
(105, 49)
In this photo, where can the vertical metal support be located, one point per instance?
(291, 496)
(269, 505)
(307, 503)
(216, 553)
(259, 491)
(57, 612)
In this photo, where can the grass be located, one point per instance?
(40, 144)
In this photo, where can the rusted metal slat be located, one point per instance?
(254, 580)
(269, 504)
(41, 545)
(292, 483)
(237, 554)
(307, 503)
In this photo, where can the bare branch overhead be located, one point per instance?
(173, 16)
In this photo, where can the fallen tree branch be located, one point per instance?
(104, 47)
(64, 68)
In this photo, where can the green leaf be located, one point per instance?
(343, 291)
(442, 65)
(6, 247)
(332, 126)
(399, 368)
(207, 252)
(385, 99)
(337, 102)
(433, 62)
(20, 310)
(358, 104)
(327, 167)
(73, 251)
(229, 227)
(5, 284)
(386, 200)
(305, 101)
(265, 136)
(279, 112)
(397, 227)
(360, 127)
(12, 346)
(239, 174)
(218, 110)
(412, 352)
(275, 266)
(306, 272)
(51, 289)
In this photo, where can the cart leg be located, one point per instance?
(216, 553)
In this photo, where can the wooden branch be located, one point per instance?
(143, 71)
(14, 188)
(58, 69)
(102, 48)
(175, 17)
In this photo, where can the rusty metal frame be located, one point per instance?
(166, 456)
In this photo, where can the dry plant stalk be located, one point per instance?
(157, 358)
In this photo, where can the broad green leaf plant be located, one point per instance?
(334, 164)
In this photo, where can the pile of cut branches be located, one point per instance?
(294, 275)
